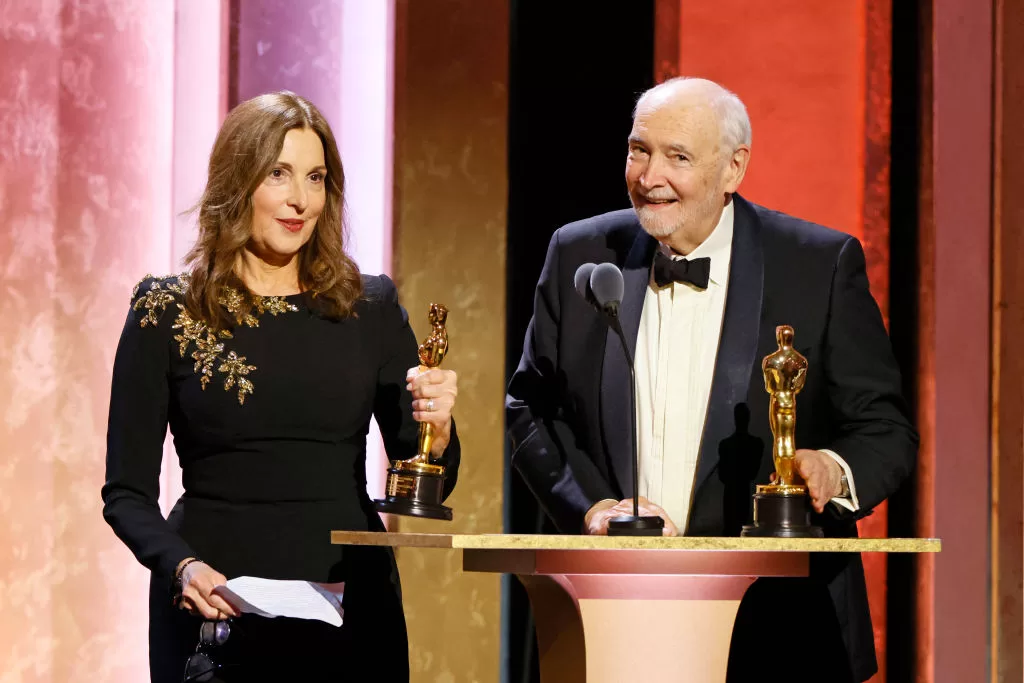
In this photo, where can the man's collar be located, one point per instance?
(717, 246)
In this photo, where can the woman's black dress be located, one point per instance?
(270, 428)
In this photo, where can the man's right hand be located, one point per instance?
(595, 522)
(198, 580)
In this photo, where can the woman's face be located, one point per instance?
(288, 202)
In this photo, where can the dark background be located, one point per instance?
(574, 78)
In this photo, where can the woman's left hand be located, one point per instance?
(433, 392)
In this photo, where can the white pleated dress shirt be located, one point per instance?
(676, 346)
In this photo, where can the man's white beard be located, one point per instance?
(657, 225)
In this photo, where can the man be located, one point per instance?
(708, 277)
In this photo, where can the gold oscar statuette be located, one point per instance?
(415, 486)
(783, 509)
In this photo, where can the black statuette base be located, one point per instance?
(414, 495)
(413, 508)
(782, 516)
(628, 525)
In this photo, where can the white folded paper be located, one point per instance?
(295, 599)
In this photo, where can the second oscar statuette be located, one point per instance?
(415, 486)
(783, 509)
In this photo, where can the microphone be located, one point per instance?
(603, 287)
(582, 282)
(607, 287)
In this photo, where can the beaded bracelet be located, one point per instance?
(176, 596)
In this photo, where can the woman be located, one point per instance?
(267, 359)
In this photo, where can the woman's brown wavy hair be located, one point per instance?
(245, 152)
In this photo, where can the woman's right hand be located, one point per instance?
(198, 580)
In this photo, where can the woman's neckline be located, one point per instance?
(237, 292)
(278, 296)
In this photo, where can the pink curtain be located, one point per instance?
(86, 118)
(108, 112)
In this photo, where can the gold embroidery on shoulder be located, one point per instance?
(209, 346)
(155, 300)
(135, 291)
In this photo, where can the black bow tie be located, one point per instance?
(696, 271)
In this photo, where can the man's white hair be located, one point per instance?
(733, 121)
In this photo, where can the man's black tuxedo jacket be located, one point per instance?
(569, 410)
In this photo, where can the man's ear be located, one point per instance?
(736, 168)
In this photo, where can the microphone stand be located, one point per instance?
(631, 525)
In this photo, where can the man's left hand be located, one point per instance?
(822, 474)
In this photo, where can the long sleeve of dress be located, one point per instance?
(393, 404)
(136, 428)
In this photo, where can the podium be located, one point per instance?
(684, 591)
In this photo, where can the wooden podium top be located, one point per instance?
(552, 542)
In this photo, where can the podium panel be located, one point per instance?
(609, 610)
(634, 614)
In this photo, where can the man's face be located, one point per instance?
(676, 167)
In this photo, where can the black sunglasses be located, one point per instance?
(202, 665)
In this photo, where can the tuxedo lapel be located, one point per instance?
(617, 412)
(737, 345)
